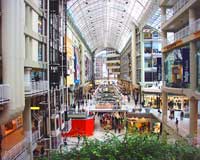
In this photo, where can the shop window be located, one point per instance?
(147, 35)
(40, 53)
(57, 123)
(155, 35)
(40, 25)
(150, 76)
(52, 124)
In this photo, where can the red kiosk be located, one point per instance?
(81, 127)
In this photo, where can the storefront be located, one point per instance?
(12, 125)
(152, 100)
(141, 125)
(178, 102)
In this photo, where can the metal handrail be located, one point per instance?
(36, 86)
(178, 5)
(16, 150)
(35, 136)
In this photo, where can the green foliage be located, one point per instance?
(130, 147)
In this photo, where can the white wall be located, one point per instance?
(35, 50)
(34, 21)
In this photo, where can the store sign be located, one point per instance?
(159, 69)
(35, 108)
(54, 75)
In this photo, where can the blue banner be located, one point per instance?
(159, 69)
(186, 65)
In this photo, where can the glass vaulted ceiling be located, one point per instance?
(107, 23)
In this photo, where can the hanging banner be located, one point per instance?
(159, 69)
(186, 65)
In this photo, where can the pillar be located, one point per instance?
(27, 125)
(193, 81)
(193, 51)
(193, 116)
(164, 107)
(27, 74)
(133, 57)
(13, 55)
(163, 14)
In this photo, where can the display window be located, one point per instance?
(141, 125)
(157, 127)
(178, 103)
(152, 101)
(177, 68)
(12, 125)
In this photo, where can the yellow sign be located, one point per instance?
(35, 108)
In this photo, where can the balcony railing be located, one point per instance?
(74, 114)
(179, 4)
(4, 93)
(15, 151)
(184, 32)
(35, 87)
(195, 26)
(35, 137)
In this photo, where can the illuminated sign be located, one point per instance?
(35, 108)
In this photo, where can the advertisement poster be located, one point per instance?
(76, 66)
(177, 68)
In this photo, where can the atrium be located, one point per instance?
(78, 70)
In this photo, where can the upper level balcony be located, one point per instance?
(185, 32)
(35, 87)
(4, 93)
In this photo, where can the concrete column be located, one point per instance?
(164, 107)
(27, 74)
(193, 66)
(192, 16)
(27, 125)
(193, 51)
(142, 58)
(193, 116)
(163, 14)
(133, 57)
(13, 55)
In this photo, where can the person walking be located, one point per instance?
(177, 124)
(182, 115)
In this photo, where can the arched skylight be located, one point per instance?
(107, 23)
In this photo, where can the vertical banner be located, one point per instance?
(159, 69)
(198, 69)
(186, 66)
